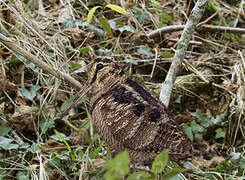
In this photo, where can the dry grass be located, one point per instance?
(58, 36)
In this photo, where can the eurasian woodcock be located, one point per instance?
(128, 117)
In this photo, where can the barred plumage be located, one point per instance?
(130, 118)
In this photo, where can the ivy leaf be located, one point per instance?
(145, 51)
(117, 8)
(141, 17)
(117, 167)
(32, 66)
(23, 175)
(204, 118)
(4, 129)
(112, 24)
(45, 125)
(242, 163)
(199, 136)
(160, 162)
(35, 148)
(188, 132)
(196, 127)
(178, 99)
(220, 133)
(5, 143)
(30, 94)
(98, 31)
(91, 13)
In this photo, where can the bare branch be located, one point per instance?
(204, 27)
(196, 14)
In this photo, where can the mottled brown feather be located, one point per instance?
(130, 118)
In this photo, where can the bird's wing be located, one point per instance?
(140, 122)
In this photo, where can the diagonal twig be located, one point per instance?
(30, 57)
(167, 86)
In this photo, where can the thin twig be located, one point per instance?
(208, 19)
(30, 57)
(167, 86)
(204, 27)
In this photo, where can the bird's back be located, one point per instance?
(130, 118)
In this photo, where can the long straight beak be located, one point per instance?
(76, 99)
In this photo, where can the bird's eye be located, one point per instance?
(99, 66)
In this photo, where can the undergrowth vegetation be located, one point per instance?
(208, 100)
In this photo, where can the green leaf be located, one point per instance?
(75, 65)
(35, 148)
(155, 4)
(104, 51)
(105, 25)
(26, 93)
(165, 18)
(97, 30)
(161, 24)
(117, 167)
(5, 143)
(204, 118)
(68, 23)
(141, 17)
(160, 162)
(242, 163)
(199, 83)
(62, 137)
(96, 151)
(126, 28)
(91, 13)
(23, 175)
(196, 127)
(117, 8)
(85, 50)
(167, 54)
(58, 138)
(30, 94)
(17, 59)
(145, 51)
(25, 145)
(32, 66)
(199, 136)
(139, 175)
(112, 24)
(4, 129)
(188, 132)
(178, 99)
(220, 133)
(173, 172)
(3, 174)
(46, 125)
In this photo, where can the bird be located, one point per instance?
(128, 117)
